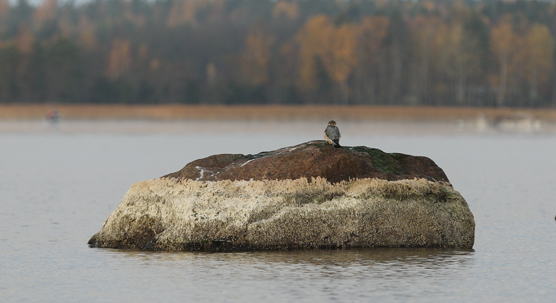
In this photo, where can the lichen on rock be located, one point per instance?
(173, 214)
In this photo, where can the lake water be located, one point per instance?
(57, 186)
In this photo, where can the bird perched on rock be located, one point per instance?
(332, 134)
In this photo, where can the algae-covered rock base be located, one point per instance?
(375, 200)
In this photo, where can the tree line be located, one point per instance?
(376, 52)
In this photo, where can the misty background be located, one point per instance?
(429, 52)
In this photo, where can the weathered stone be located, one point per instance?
(284, 200)
(311, 160)
(171, 214)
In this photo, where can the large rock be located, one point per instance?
(284, 200)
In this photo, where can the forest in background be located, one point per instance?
(361, 52)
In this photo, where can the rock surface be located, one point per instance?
(311, 160)
(283, 200)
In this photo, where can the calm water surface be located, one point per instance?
(58, 186)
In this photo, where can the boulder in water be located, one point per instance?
(307, 196)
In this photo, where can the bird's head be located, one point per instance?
(332, 123)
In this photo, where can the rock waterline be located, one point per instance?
(401, 205)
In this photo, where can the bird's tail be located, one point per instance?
(336, 143)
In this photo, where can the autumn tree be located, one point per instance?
(4, 9)
(505, 45)
(539, 49)
(435, 52)
(87, 36)
(313, 39)
(425, 30)
(334, 46)
(452, 52)
(25, 40)
(372, 34)
(340, 56)
(119, 59)
(256, 56)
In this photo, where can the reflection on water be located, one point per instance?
(305, 276)
(418, 257)
(352, 264)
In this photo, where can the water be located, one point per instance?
(58, 186)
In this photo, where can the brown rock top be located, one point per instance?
(312, 159)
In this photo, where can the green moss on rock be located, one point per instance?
(382, 162)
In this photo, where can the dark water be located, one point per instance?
(58, 187)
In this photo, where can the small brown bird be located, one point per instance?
(332, 134)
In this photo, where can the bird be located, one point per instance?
(332, 134)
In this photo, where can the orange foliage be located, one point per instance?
(429, 5)
(339, 58)
(312, 40)
(119, 58)
(87, 36)
(506, 46)
(503, 38)
(335, 46)
(154, 65)
(211, 73)
(539, 46)
(256, 56)
(4, 8)
(24, 40)
(373, 30)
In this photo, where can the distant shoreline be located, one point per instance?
(273, 113)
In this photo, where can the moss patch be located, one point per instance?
(382, 162)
